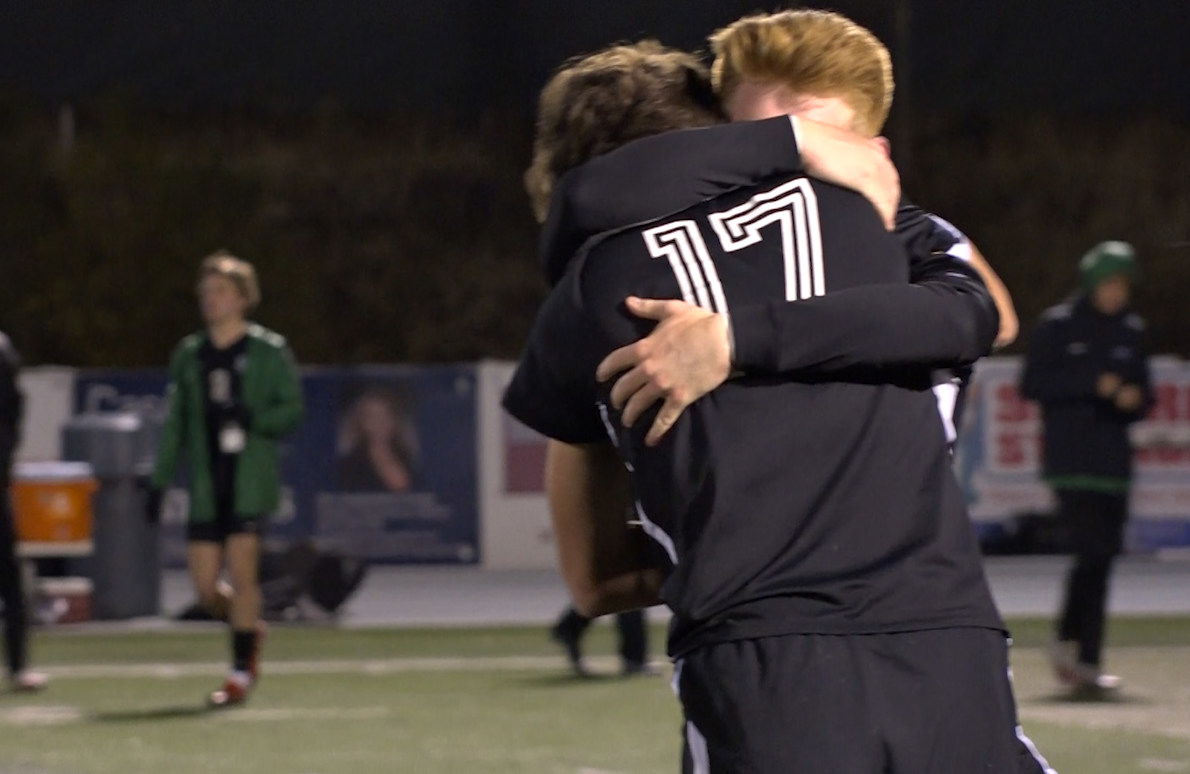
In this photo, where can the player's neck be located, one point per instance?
(224, 334)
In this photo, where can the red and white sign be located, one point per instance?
(1000, 445)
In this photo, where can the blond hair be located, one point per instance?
(596, 103)
(236, 270)
(812, 52)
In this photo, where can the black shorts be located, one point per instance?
(929, 702)
(1095, 521)
(226, 522)
(220, 529)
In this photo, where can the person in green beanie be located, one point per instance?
(233, 394)
(1088, 368)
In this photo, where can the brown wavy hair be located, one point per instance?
(596, 103)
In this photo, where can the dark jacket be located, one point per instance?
(273, 396)
(1086, 437)
(11, 406)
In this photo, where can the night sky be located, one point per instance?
(460, 55)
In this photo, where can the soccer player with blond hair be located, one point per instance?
(816, 550)
(834, 78)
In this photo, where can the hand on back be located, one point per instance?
(686, 356)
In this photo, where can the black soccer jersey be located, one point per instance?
(664, 173)
(222, 372)
(785, 504)
(654, 176)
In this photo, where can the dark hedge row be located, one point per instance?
(398, 237)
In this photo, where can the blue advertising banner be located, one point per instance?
(398, 464)
(383, 467)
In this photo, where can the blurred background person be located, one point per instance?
(233, 393)
(16, 619)
(1088, 369)
(377, 444)
(630, 627)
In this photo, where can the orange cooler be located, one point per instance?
(52, 501)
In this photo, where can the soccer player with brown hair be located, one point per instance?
(815, 547)
(233, 394)
(762, 64)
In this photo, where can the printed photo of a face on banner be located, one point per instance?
(377, 449)
(392, 479)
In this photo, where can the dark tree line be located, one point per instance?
(1035, 191)
(385, 237)
(377, 238)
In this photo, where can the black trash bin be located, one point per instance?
(125, 568)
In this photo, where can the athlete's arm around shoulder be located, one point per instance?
(658, 175)
(604, 561)
(945, 318)
(925, 234)
(941, 318)
(1010, 324)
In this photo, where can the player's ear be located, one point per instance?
(885, 145)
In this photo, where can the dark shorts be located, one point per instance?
(220, 529)
(226, 523)
(929, 702)
(1095, 521)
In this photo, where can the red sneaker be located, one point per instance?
(234, 691)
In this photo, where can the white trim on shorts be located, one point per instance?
(1020, 731)
(697, 744)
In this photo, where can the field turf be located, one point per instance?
(485, 700)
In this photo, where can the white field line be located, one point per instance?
(381, 666)
(1162, 764)
(322, 713)
(40, 715)
(43, 715)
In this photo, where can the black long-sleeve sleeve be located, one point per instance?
(941, 321)
(946, 318)
(659, 175)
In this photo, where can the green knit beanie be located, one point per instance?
(1107, 259)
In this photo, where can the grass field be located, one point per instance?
(485, 700)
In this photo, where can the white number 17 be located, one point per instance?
(792, 206)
